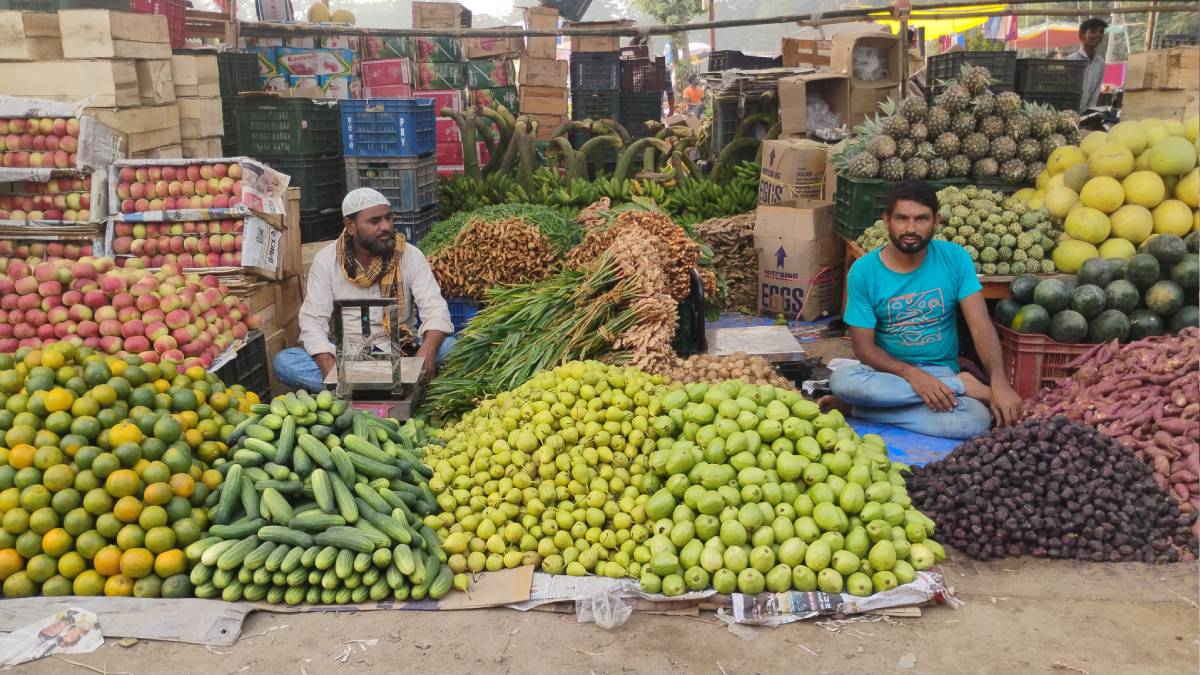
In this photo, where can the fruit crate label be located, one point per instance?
(491, 73)
(314, 62)
(438, 49)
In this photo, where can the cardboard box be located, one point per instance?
(795, 92)
(491, 73)
(389, 91)
(314, 62)
(387, 72)
(156, 83)
(447, 131)
(542, 73)
(449, 154)
(195, 75)
(793, 170)
(546, 124)
(541, 18)
(1165, 104)
(200, 117)
(437, 50)
(598, 44)
(267, 67)
(109, 84)
(864, 102)
(498, 96)
(798, 260)
(490, 47)
(290, 252)
(263, 193)
(799, 52)
(542, 100)
(337, 86)
(147, 127)
(101, 34)
(440, 76)
(374, 48)
(842, 57)
(199, 148)
(159, 153)
(443, 98)
(440, 15)
(30, 36)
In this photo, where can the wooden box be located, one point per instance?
(1164, 104)
(108, 83)
(195, 75)
(146, 128)
(101, 34)
(155, 82)
(29, 36)
(542, 73)
(201, 148)
(598, 44)
(200, 117)
(438, 15)
(541, 18)
(542, 100)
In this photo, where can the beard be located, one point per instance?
(381, 245)
(908, 246)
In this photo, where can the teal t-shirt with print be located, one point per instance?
(914, 315)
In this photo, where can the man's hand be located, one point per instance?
(933, 391)
(1006, 403)
(325, 362)
(430, 356)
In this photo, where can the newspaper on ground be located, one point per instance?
(67, 631)
(551, 588)
(775, 609)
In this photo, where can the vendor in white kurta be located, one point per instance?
(369, 260)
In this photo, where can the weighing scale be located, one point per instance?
(776, 344)
(381, 380)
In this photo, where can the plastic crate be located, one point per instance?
(1049, 76)
(410, 184)
(174, 10)
(607, 154)
(644, 75)
(238, 72)
(321, 178)
(56, 5)
(571, 10)
(1067, 101)
(389, 127)
(461, 311)
(636, 109)
(320, 225)
(727, 116)
(859, 202)
(948, 66)
(595, 105)
(1169, 40)
(1036, 361)
(414, 225)
(689, 336)
(249, 366)
(595, 71)
(273, 126)
(726, 59)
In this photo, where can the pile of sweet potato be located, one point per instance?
(1145, 394)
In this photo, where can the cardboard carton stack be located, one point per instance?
(198, 95)
(1163, 84)
(119, 62)
(541, 78)
(438, 72)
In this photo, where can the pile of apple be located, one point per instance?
(45, 250)
(166, 314)
(59, 199)
(165, 188)
(48, 142)
(186, 245)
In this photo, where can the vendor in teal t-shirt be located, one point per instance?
(902, 307)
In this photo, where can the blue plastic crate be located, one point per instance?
(461, 310)
(414, 225)
(388, 127)
(409, 183)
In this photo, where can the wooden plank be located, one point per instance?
(1165, 104)
(164, 152)
(155, 82)
(195, 75)
(200, 117)
(108, 83)
(99, 33)
(206, 622)
(201, 148)
(140, 119)
(29, 36)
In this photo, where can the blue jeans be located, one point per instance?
(295, 368)
(890, 399)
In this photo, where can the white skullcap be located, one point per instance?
(362, 198)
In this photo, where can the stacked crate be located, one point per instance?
(1163, 84)
(302, 138)
(439, 74)
(198, 95)
(390, 146)
(492, 71)
(237, 71)
(541, 78)
(596, 93)
(118, 61)
(643, 83)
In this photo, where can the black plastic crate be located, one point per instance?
(320, 225)
(249, 366)
(274, 126)
(1050, 76)
(238, 72)
(321, 178)
(636, 109)
(1168, 40)
(595, 105)
(571, 10)
(948, 66)
(727, 59)
(595, 71)
(1062, 101)
(643, 75)
(414, 225)
(409, 183)
(727, 117)
(689, 335)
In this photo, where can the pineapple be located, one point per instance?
(1042, 121)
(914, 108)
(1013, 171)
(984, 104)
(916, 168)
(1032, 169)
(963, 123)
(1048, 267)
(895, 126)
(1017, 126)
(892, 169)
(1066, 121)
(938, 168)
(975, 146)
(991, 126)
(905, 148)
(975, 79)
(938, 121)
(1004, 253)
(918, 131)
(1003, 268)
(1051, 142)
(955, 99)
(947, 145)
(881, 146)
(985, 167)
(1008, 104)
(1003, 148)
(1029, 150)
(988, 268)
(864, 165)
(1073, 136)
(960, 166)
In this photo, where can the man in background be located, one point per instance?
(1091, 34)
(693, 96)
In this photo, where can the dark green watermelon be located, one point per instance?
(1088, 300)
(1164, 298)
(1117, 267)
(1021, 288)
(1095, 271)
(1144, 323)
(1052, 294)
(1192, 241)
(1168, 249)
(1110, 325)
(1188, 316)
(1122, 296)
(1143, 270)
(1186, 272)
(1006, 309)
(1068, 327)
(1031, 319)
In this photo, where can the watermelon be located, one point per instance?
(1192, 241)
(1032, 319)
(1088, 300)
(1117, 267)
(1186, 272)
(1168, 249)
(1006, 309)
(1122, 296)
(1164, 298)
(1188, 316)
(1021, 288)
(1052, 294)
(1110, 325)
(1068, 327)
(1095, 271)
(1144, 323)
(1143, 270)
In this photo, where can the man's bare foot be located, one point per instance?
(830, 402)
(975, 389)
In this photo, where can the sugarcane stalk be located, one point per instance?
(725, 159)
(591, 149)
(677, 164)
(526, 153)
(772, 134)
(608, 126)
(750, 122)
(649, 145)
(496, 153)
(560, 150)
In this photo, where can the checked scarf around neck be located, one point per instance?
(383, 270)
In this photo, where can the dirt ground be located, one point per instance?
(1018, 616)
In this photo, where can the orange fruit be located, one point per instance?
(219, 401)
(157, 494)
(212, 478)
(108, 525)
(169, 563)
(159, 539)
(124, 432)
(103, 394)
(89, 543)
(131, 536)
(10, 562)
(137, 563)
(153, 516)
(118, 586)
(57, 542)
(56, 586)
(53, 359)
(193, 437)
(11, 498)
(182, 485)
(127, 509)
(155, 472)
(59, 399)
(58, 477)
(71, 565)
(41, 567)
(43, 520)
(21, 455)
(107, 561)
(122, 483)
(97, 501)
(19, 585)
(88, 583)
(195, 372)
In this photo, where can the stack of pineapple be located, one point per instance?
(969, 132)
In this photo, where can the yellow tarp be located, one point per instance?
(936, 28)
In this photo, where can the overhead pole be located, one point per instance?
(712, 31)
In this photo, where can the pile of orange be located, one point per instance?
(103, 470)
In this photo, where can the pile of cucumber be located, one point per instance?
(320, 504)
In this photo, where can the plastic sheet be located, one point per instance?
(606, 610)
(870, 63)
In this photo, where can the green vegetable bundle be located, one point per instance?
(561, 232)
